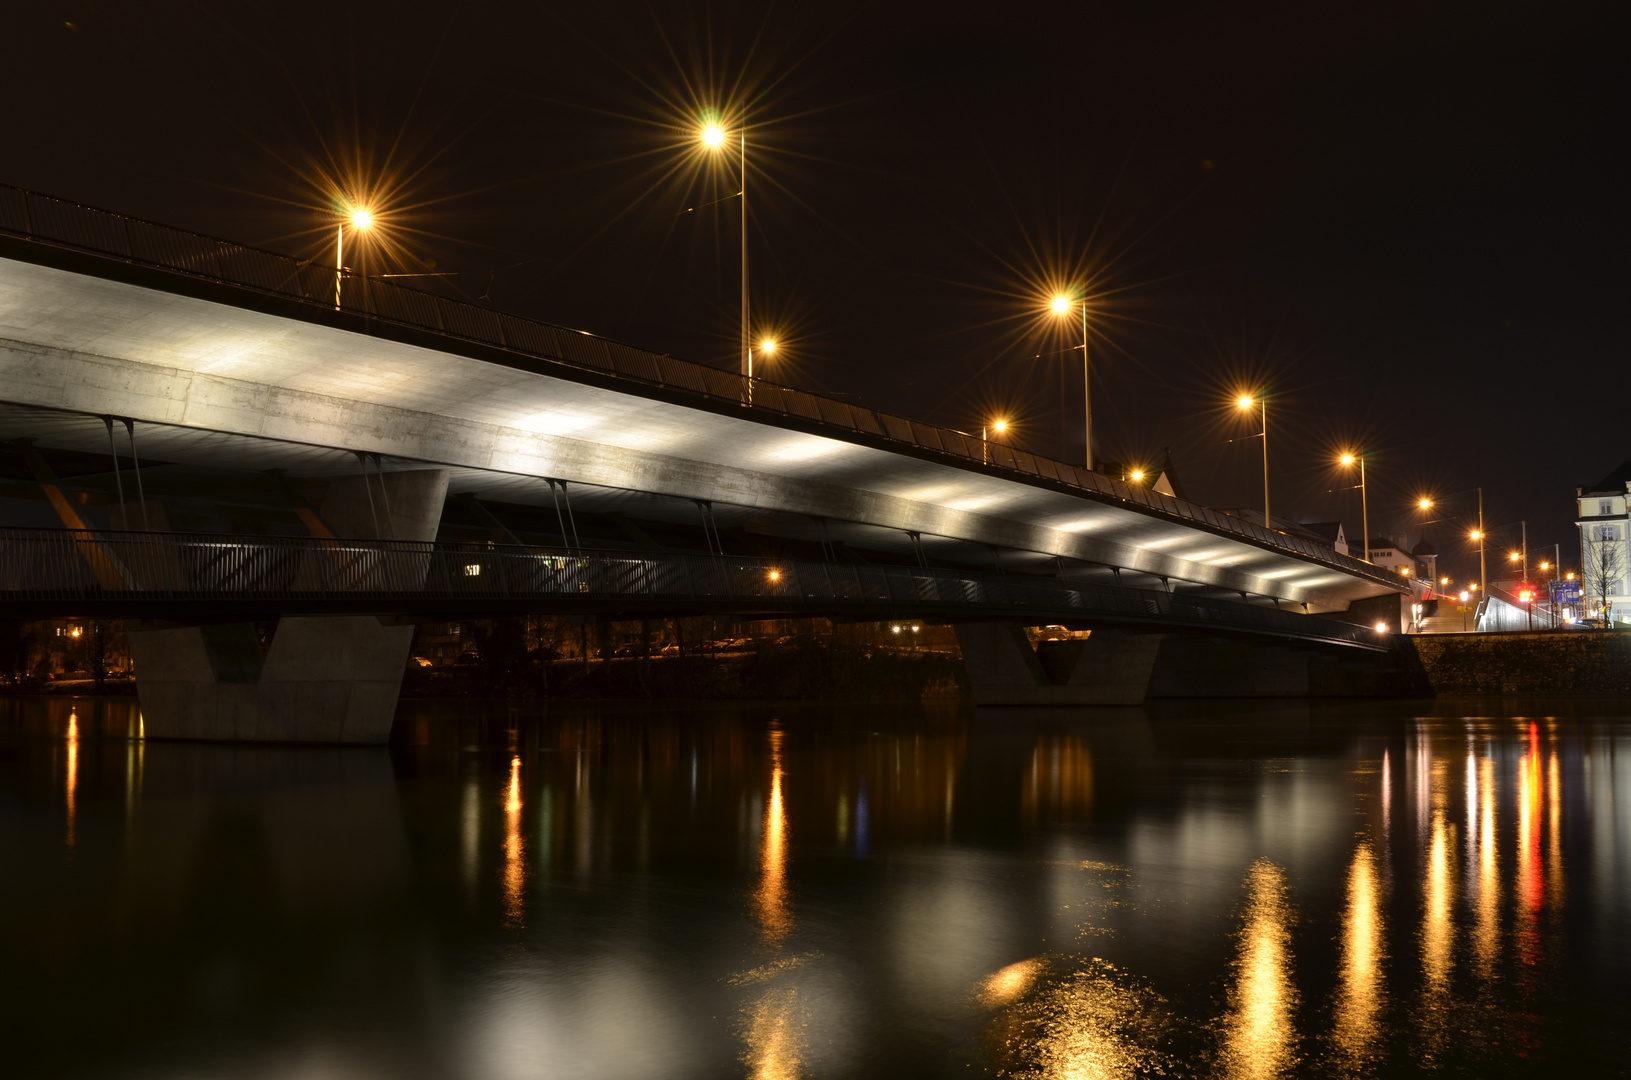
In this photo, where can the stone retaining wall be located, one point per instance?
(1575, 662)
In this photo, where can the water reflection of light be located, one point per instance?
(72, 781)
(1438, 917)
(770, 897)
(1531, 888)
(1094, 1022)
(515, 867)
(470, 833)
(1059, 782)
(774, 1035)
(1258, 1034)
(1361, 998)
(134, 747)
(1003, 986)
(1387, 793)
(1487, 930)
(1554, 836)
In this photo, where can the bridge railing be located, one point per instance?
(61, 567)
(62, 223)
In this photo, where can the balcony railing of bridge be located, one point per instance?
(61, 568)
(61, 223)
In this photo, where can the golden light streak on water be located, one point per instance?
(515, 865)
(1530, 887)
(1003, 986)
(71, 788)
(774, 1036)
(1095, 1022)
(1059, 782)
(1259, 1036)
(770, 897)
(1387, 794)
(1438, 916)
(1554, 837)
(1486, 937)
(1362, 996)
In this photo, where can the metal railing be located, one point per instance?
(59, 569)
(60, 223)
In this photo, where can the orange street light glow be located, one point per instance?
(1347, 459)
(1061, 304)
(362, 218)
(767, 346)
(1136, 474)
(1424, 503)
(1000, 425)
(713, 135)
(1244, 401)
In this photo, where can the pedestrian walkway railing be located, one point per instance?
(60, 223)
(65, 570)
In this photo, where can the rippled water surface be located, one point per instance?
(1249, 890)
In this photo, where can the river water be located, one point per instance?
(1209, 889)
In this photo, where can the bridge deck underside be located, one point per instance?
(47, 573)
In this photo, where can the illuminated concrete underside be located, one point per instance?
(240, 387)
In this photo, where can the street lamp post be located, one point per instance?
(1061, 307)
(362, 219)
(1364, 506)
(713, 136)
(998, 426)
(767, 347)
(1245, 402)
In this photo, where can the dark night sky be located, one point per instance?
(1403, 222)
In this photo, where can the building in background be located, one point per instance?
(1604, 522)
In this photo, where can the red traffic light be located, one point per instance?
(1526, 594)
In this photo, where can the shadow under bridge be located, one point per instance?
(54, 573)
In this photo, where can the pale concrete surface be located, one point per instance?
(70, 341)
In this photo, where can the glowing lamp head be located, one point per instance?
(1424, 503)
(1443, 581)
(362, 219)
(1244, 401)
(1465, 594)
(713, 136)
(1136, 475)
(775, 575)
(1569, 576)
(767, 346)
(1060, 304)
(1000, 426)
(1381, 628)
(1348, 459)
(1475, 535)
(1513, 557)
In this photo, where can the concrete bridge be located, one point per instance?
(158, 381)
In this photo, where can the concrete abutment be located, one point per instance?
(320, 679)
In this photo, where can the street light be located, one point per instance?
(714, 137)
(1347, 459)
(1061, 305)
(362, 220)
(1245, 402)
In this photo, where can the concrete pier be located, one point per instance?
(319, 679)
(1111, 667)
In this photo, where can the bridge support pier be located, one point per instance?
(321, 679)
(1111, 667)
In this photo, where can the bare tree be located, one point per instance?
(1604, 564)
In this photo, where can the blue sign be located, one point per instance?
(1565, 592)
